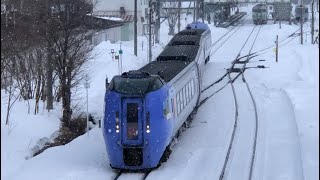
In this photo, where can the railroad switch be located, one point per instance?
(259, 66)
(240, 62)
(232, 70)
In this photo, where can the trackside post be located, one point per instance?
(277, 49)
(87, 86)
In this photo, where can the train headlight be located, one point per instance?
(117, 122)
(148, 122)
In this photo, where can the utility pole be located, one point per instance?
(203, 11)
(312, 22)
(179, 15)
(92, 20)
(92, 16)
(150, 22)
(135, 29)
(157, 32)
(6, 13)
(194, 10)
(49, 63)
(301, 23)
(197, 10)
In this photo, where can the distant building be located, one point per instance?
(186, 8)
(121, 11)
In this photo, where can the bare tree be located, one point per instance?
(24, 48)
(70, 48)
(12, 98)
(171, 10)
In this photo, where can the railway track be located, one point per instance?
(238, 72)
(223, 39)
(140, 176)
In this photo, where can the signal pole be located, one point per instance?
(135, 29)
(150, 21)
(301, 24)
(157, 29)
(194, 10)
(179, 14)
(203, 11)
(312, 21)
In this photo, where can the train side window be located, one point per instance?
(187, 92)
(207, 46)
(191, 93)
(185, 96)
(178, 102)
(181, 100)
(188, 87)
(191, 87)
(182, 97)
(172, 107)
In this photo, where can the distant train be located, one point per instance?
(260, 14)
(305, 12)
(145, 108)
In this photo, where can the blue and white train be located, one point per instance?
(145, 108)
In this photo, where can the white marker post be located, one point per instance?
(116, 57)
(120, 53)
(87, 86)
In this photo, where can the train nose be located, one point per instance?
(132, 122)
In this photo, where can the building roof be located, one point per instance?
(117, 18)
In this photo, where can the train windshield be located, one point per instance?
(135, 86)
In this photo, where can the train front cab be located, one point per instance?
(135, 131)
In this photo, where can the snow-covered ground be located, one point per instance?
(286, 94)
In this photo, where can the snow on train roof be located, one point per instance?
(193, 32)
(182, 53)
(197, 25)
(165, 69)
(184, 40)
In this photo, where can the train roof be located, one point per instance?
(197, 25)
(179, 53)
(193, 32)
(184, 40)
(167, 70)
